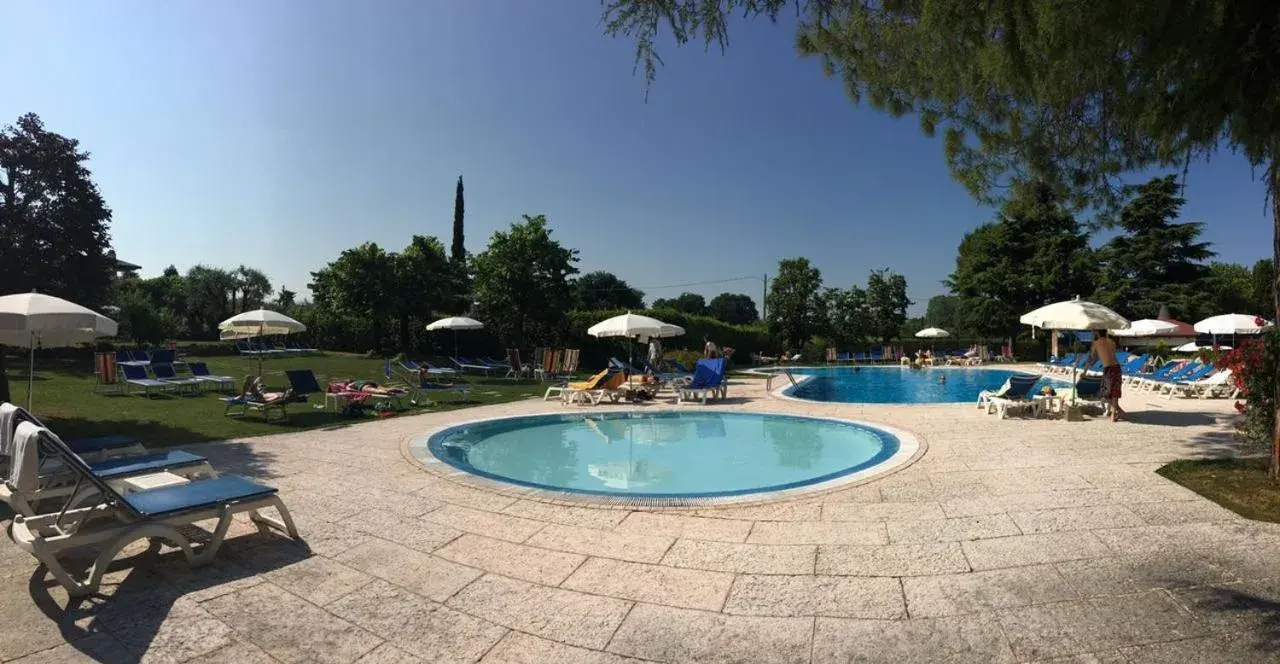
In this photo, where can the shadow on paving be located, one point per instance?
(1258, 615)
(156, 434)
(132, 609)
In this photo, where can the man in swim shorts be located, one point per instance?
(1104, 349)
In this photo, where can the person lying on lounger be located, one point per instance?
(370, 387)
(255, 390)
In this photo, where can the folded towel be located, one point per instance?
(26, 458)
(8, 415)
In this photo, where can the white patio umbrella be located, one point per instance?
(258, 323)
(1074, 314)
(455, 323)
(28, 320)
(1232, 324)
(932, 333)
(633, 326)
(1148, 327)
(1191, 347)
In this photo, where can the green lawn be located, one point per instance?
(1240, 485)
(65, 399)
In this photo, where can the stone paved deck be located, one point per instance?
(1008, 541)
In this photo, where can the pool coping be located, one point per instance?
(910, 449)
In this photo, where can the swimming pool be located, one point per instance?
(897, 384)
(665, 454)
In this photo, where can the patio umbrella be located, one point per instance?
(1232, 324)
(258, 323)
(28, 320)
(633, 326)
(933, 333)
(1191, 347)
(627, 475)
(455, 323)
(1149, 327)
(1074, 314)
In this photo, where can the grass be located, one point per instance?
(1240, 485)
(66, 401)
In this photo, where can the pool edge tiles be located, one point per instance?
(418, 450)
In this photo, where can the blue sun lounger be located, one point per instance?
(116, 518)
(165, 373)
(708, 381)
(201, 371)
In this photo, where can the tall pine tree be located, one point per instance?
(458, 252)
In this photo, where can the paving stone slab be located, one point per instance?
(838, 596)
(957, 529)
(567, 616)
(881, 511)
(1234, 648)
(678, 525)
(489, 524)
(819, 532)
(1083, 626)
(959, 640)
(514, 560)
(592, 542)
(1075, 518)
(667, 634)
(430, 576)
(1132, 573)
(521, 648)
(1023, 550)
(568, 515)
(416, 625)
(742, 558)
(417, 534)
(290, 629)
(655, 584)
(892, 560)
(981, 592)
(318, 580)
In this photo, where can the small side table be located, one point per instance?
(153, 481)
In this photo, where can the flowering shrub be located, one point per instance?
(1253, 370)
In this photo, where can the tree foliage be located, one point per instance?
(605, 290)
(360, 283)
(458, 251)
(733, 308)
(848, 319)
(943, 312)
(887, 304)
(1034, 254)
(54, 225)
(686, 303)
(795, 303)
(1154, 262)
(522, 289)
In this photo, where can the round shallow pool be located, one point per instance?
(897, 384)
(663, 454)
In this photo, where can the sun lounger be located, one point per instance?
(95, 448)
(165, 373)
(136, 376)
(591, 383)
(1188, 371)
(610, 387)
(117, 518)
(708, 381)
(464, 364)
(200, 370)
(1203, 372)
(1013, 395)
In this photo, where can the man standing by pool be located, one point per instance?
(1104, 349)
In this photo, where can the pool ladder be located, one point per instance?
(768, 382)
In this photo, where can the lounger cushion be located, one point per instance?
(195, 495)
(144, 463)
(101, 444)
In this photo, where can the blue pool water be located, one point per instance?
(662, 454)
(897, 384)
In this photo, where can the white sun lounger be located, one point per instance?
(115, 519)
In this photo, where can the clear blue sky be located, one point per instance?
(276, 134)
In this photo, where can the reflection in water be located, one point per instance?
(795, 447)
(543, 459)
(627, 475)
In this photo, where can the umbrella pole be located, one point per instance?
(31, 369)
(455, 343)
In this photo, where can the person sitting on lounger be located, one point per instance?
(254, 390)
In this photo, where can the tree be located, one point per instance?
(54, 225)
(943, 312)
(733, 308)
(1154, 262)
(286, 299)
(887, 303)
(1075, 94)
(848, 321)
(795, 302)
(1228, 288)
(208, 292)
(522, 289)
(360, 283)
(687, 303)
(254, 287)
(458, 252)
(1264, 275)
(1034, 254)
(422, 285)
(602, 290)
